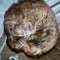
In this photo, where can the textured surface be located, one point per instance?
(31, 27)
(4, 5)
